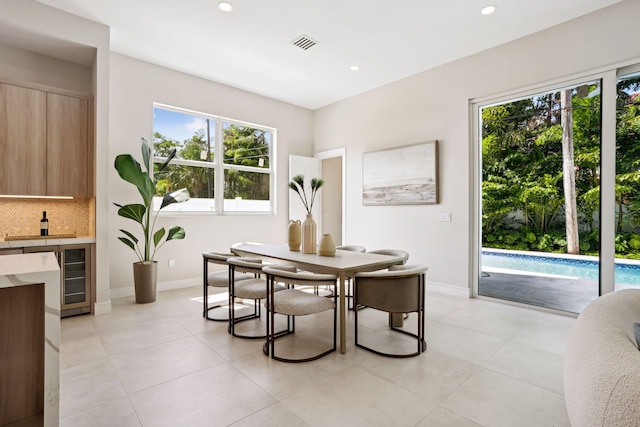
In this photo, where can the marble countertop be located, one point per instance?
(27, 263)
(4, 244)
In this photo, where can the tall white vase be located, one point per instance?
(309, 235)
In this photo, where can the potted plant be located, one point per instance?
(145, 270)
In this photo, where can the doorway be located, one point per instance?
(330, 214)
(540, 158)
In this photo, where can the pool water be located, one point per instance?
(625, 273)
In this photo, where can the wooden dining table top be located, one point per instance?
(343, 261)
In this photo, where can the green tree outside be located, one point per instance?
(522, 181)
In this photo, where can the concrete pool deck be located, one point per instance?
(557, 293)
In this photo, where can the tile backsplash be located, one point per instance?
(21, 217)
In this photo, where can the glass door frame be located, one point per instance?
(607, 172)
(620, 72)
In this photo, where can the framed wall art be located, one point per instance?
(405, 175)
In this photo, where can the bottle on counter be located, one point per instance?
(44, 224)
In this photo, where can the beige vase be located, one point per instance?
(294, 234)
(145, 278)
(327, 246)
(309, 235)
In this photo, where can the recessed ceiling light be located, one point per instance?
(488, 10)
(225, 6)
(354, 67)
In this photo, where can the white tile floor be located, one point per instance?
(162, 364)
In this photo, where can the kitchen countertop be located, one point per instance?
(36, 268)
(4, 244)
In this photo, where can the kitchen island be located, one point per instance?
(29, 338)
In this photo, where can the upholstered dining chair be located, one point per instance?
(349, 295)
(400, 289)
(352, 248)
(217, 279)
(393, 252)
(235, 245)
(254, 289)
(294, 302)
(397, 318)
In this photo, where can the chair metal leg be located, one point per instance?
(205, 286)
(271, 334)
(232, 315)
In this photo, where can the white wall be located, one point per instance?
(23, 66)
(435, 105)
(135, 86)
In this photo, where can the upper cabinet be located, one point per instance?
(45, 143)
(67, 146)
(23, 143)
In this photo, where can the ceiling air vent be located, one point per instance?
(304, 42)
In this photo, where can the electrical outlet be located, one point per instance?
(172, 262)
(444, 216)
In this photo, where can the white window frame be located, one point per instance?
(219, 168)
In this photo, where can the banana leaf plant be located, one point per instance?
(131, 171)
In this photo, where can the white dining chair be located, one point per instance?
(293, 302)
(254, 289)
(217, 279)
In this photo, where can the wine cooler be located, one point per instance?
(75, 276)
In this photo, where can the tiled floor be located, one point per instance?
(162, 364)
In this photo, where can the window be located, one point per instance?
(214, 155)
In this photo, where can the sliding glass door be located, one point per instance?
(627, 183)
(540, 198)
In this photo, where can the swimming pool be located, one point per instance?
(626, 272)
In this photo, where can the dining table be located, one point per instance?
(344, 264)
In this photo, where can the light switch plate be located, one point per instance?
(444, 216)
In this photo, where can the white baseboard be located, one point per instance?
(121, 293)
(162, 286)
(179, 284)
(102, 308)
(444, 288)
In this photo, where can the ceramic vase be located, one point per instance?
(294, 234)
(327, 246)
(145, 279)
(309, 235)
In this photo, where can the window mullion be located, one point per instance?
(219, 170)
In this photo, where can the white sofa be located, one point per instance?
(602, 363)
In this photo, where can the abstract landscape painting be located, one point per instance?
(405, 175)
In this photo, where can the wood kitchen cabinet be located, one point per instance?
(23, 143)
(45, 143)
(67, 146)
